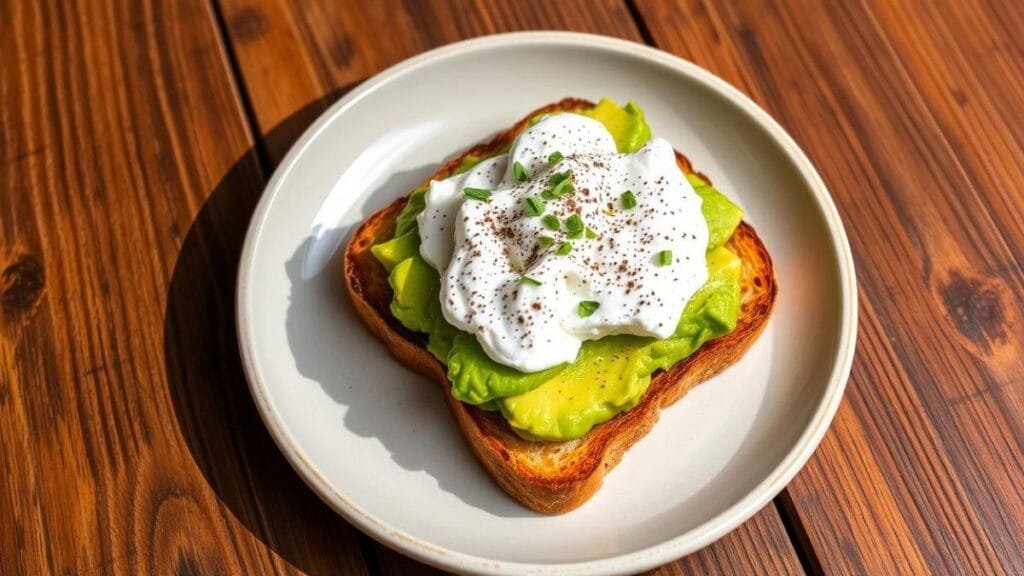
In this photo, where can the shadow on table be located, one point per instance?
(214, 408)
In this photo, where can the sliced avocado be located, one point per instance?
(406, 220)
(607, 377)
(611, 374)
(476, 379)
(625, 123)
(416, 286)
(417, 305)
(720, 213)
(695, 180)
(467, 162)
(722, 261)
(399, 248)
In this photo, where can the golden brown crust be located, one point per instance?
(554, 477)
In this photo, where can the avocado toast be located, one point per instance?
(545, 475)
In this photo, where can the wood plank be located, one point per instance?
(128, 439)
(759, 546)
(292, 54)
(297, 58)
(922, 469)
(973, 91)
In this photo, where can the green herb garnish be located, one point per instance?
(555, 158)
(560, 184)
(477, 194)
(545, 241)
(522, 174)
(628, 200)
(562, 188)
(551, 222)
(574, 226)
(533, 206)
(563, 249)
(588, 307)
(663, 258)
(530, 281)
(558, 177)
(590, 233)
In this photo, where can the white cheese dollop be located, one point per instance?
(522, 299)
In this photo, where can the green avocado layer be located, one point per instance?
(609, 375)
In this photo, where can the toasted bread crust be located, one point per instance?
(554, 477)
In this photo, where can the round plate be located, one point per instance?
(376, 441)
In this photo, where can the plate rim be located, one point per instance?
(651, 556)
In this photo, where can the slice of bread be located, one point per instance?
(553, 477)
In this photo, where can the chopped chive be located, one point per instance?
(477, 193)
(574, 226)
(562, 188)
(545, 241)
(663, 258)
(530, 281)
(547, 195)
(628, 200)
(558, 177)
(555, 158)
(522, 174)
(563, 249)
(590, 233)
(533, 206)
(551, 222)
(588, 307)
(561, 184)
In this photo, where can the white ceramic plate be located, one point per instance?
(377, 443)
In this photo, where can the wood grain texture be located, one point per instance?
(758, 546)
(973, 91)
(292, 54)
(128, 441)
(130, 445)
(908, 110)
(753, 548)
(296, 58)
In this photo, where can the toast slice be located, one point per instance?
(553, 477)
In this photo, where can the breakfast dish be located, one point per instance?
(562, 283)
(379, 445)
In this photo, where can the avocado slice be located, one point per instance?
(610, 375)
(626, 123)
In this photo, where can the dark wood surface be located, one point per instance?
(922, 470)
(135, 138)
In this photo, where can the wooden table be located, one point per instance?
(136, 137)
